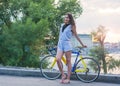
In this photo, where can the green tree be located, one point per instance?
(100, 35)
(20, 45)
(98, 52)
(4, 12)
(10, 9)
(39, 9)
(112, 63)
(25, 24)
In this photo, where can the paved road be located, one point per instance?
(36, 81)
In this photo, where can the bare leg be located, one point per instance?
(58, 58)
(68, 58)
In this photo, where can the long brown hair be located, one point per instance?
(72, 22)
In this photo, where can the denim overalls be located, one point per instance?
(64, 43)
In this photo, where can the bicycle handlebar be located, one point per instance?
(80, 47)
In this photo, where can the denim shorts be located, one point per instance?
(64, 46)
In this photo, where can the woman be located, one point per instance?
(68, 29)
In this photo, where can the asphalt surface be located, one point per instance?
(6, 80)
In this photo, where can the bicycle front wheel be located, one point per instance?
(91, 72)
(49, 68)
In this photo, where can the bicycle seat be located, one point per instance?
(52, 50)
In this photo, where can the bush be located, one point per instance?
(20, 44)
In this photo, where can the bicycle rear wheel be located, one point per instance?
(91, 72)
(49, 67)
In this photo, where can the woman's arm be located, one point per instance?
(75, 34)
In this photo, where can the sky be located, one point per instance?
(100, 12)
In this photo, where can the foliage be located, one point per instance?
(24, 25)
(97, 53)
(100, 35)
(19, 44)
(112, 63)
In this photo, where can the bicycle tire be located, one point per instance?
(49, 73)
(88, 76)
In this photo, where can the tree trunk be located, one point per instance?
(104, 64)
(103, 59)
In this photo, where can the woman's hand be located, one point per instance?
(84, 46)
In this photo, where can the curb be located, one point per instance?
(20, 71)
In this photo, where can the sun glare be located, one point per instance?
(112, 37)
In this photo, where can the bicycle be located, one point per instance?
(86, 69)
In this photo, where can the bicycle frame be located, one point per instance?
(75, 63)
(84, 66)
